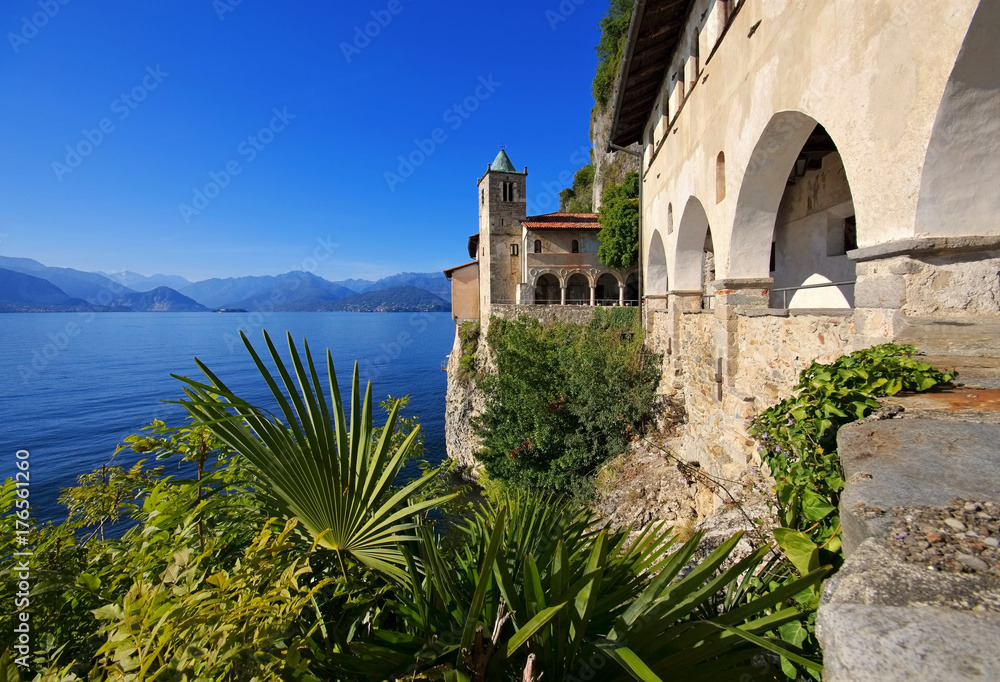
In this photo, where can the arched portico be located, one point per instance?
(656, 267)
(760, 193)
(689, 260)
(960, 184)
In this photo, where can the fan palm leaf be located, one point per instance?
(333, 475)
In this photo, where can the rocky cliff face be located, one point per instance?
(609, 168)
(462, 402)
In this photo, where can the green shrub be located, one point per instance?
(611, 49)
(619, 216)
(468, 335)
(564, 399)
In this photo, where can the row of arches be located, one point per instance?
(794, 223)
(578, 288)
(793, 210)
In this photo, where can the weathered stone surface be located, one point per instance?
(874, 575)
(892, 643)
(887, 291)
(885, 619)
(462, 402)
(910, 462)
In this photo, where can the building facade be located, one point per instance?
(816, 177)
(528, 261)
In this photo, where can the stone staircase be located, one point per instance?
(918, 597)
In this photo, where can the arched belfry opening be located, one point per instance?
(795, 218)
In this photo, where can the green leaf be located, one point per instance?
(800, 550)
(531, 627)
(633, 665)
(89, 582)
(815, 507)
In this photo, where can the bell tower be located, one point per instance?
(502, 207)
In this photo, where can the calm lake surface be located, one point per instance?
(76, 384)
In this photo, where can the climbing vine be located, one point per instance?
(798, 436)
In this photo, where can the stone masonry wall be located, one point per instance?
(575, 314)
(773, 346)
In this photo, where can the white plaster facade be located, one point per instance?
(794, 143)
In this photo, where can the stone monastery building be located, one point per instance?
(817, 176)
(546, 260)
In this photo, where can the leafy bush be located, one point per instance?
(580, 197)
(468, 335)
(619, 217)
(798, 443)
(611, 49)
(564, 398)
(536, 584)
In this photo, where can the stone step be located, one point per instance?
(938, 337)
(973, 371)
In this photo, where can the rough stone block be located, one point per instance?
(892, 644)
(880, 292)
(909, 462)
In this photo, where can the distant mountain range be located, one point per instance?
(28, 286)
(394, 299)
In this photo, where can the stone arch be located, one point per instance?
(632, 290)
(795, 218)
(578, 289)
(692, 234)
(548, 289)
(606, 289)
(960, 183)
(760, 193)
(656, 267)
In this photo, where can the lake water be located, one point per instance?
(76, 384)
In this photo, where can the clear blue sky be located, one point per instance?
(182, 93)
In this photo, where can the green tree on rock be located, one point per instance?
(619, 216)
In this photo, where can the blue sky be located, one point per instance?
(159, 101)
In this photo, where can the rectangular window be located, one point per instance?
(513, 249)
(508, 191)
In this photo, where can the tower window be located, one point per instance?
(513, 249)
(576, 246)
(508, 191)
(482, 197)
(538, 246)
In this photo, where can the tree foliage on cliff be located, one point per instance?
(619, 217)
(611, 49)
(564, 398)
(580, 197)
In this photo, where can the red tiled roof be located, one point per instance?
(447, 273)
(562, 221)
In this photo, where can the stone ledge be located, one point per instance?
(901, 644)
(794, 312)
(912, 463)
(924, 246)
